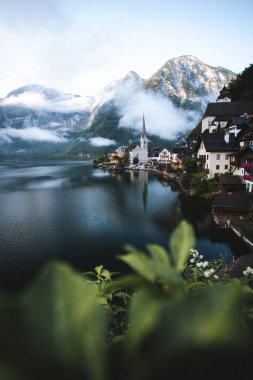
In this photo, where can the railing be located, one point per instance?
(202, 160)
(235, 163)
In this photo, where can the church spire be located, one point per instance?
(143, 133)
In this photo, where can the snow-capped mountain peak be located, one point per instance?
(186, 80)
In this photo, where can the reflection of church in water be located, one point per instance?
(140, 180)
(143, 179)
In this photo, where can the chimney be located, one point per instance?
(226, 137)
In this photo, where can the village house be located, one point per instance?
(218, 114)
(165, 156)
(213, 152)
(226, 128)
(241, 163)
(231, 184)
(228, 208)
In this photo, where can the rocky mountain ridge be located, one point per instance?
(51, 116)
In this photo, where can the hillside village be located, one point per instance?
(221, 158)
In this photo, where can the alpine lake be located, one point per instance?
(69, 211)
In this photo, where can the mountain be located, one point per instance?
(189, 82)
(36, 121)
(46, 108)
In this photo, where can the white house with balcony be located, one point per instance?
(213, 152)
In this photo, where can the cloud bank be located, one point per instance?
(162, 117)
(100, 141)
(64, 104)
(32, 134)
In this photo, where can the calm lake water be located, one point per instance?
(70, 211)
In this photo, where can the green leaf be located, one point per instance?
(129, 248)
(141, 264)
(144, 311)
(127, 281)
(106, 274)
(181, 241)
(99, 269)
(159, 254)
(61, 322)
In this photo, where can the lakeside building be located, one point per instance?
(213, 152)
(228, 208)
(226, 129)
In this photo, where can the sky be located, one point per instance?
(80, 46)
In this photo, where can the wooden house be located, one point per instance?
(228, 208)
(231, 184)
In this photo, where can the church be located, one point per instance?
(141, 151)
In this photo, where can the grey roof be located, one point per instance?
(214, 142)
(228, 179)
(221, 118)
(229, 108)
(231, 202)
(237, 120)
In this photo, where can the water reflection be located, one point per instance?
(84, 216)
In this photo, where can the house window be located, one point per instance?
(206, 166)
(218, 156)
(226, 167)
(226, 156)
(207, 156)
(217, 167)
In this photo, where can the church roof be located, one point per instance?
(226, 109)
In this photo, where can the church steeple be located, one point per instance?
(143, 132)
(144, 143)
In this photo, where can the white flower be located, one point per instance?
(199, 265)
(216, 277)
(201, 256)
(248, 271)
(192, 261)
(205, 264)
(209, 272)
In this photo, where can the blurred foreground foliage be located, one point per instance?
(174, 315)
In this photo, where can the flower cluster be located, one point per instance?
(247, 166)
(247, 177)
(204, 267)
(248, 272)
(202, 264)
(196, 257)
(208, 273)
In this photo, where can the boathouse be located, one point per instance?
(231, 184)
(228, 208)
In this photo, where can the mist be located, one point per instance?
(162, 117)
(30, 134)
(100, 141)
(65, 103)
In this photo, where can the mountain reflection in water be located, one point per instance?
(70, 211)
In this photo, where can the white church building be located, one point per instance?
(141, 151)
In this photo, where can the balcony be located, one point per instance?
(234, 162)
(201, 160)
